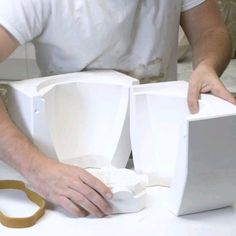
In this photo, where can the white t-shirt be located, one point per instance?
(136, 37)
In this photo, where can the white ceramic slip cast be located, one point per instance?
(80, 119)
(128, 188)
(195, 154)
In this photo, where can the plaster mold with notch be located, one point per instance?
(194, 154)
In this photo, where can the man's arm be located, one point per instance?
(68, 186)
(211, 47)
(7, 44)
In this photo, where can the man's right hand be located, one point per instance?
(70, 187)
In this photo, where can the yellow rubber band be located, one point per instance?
(15, 222)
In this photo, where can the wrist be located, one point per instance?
(206, 65)
(34, 169)
(203, 71)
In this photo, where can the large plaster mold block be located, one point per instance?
(80, 118)
(195, 154)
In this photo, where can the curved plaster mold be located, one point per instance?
(80, 118)
(194, 154)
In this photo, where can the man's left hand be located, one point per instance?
(204, 79)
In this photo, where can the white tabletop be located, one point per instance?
(155, 219)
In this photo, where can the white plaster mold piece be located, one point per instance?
(194, 154)
(79, 118)
(128, 188)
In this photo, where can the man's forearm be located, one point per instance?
(15, 149)
(213, 49)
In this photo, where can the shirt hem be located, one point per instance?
(191, 5)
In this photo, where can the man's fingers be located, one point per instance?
(221, 92)
(193, 96)
(83, 201)
(216, 89)
(90, 199)
(71, 207)
(96, 184)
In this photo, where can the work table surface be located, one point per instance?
(155, 219)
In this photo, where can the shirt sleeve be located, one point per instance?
(188, 4)
(24, 19)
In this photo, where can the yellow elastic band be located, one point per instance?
(15, 222)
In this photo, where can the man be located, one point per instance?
(135, 37)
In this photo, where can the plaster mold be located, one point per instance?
(80, 118)
(128, 188)
(193, 154)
